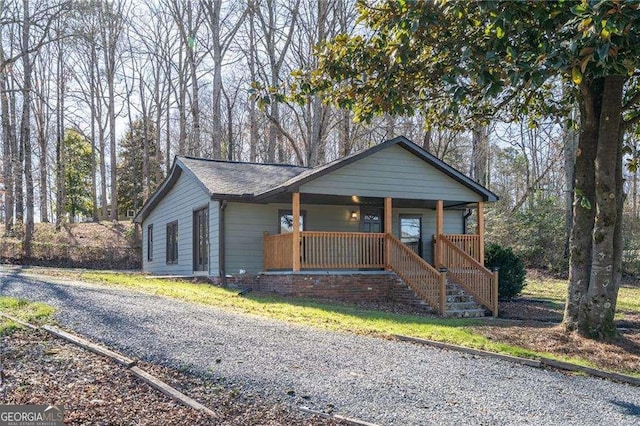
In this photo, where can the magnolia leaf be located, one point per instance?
(576, 75)
(603, 51)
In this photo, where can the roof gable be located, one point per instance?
(259, 182)
(393, 172)
(294, 184)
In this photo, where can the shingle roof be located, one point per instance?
(236, 178)
(258, 182)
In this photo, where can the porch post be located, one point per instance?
(481, 232)
(295, 210)
(439, 228)
(388, 217)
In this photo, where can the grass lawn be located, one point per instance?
(32, 312)
(527, 338)
(488, 334)
(554, 291)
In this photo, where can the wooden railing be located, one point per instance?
(277, 251)
(341, 250)
(423, 278)
(469, 243)
(469, 273)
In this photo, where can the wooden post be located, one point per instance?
(443, 291)
(495, 292)
(481, 232)
(265, 261)
(295, 209)
(388, 218)
(439, 228)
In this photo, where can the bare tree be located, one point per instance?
(223, 32)
(277, 24)
(111, 20)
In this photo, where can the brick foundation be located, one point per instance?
(348, 287)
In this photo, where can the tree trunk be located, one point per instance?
(584, 203)
(480, 154)
(18, 166)
(230, 141)
(94, 166)
(41, 80)
(60, 163)
(596, 320)
(569, 150)
(216, 109)
(253, 111)
(25, 130)
(8, 132)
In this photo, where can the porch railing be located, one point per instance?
(277, 251)
(357, 250)
(469, 273)
(468, 243)
(325, 250)
(341, 250)
(423, 278)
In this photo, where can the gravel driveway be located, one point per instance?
(380, 381)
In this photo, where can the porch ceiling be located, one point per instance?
(363, 201)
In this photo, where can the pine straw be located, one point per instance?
(39, 369)
(622, 355)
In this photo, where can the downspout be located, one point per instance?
(221, 245)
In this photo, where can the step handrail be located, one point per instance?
(484, 287)
(425, 280)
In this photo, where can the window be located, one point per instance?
(285, 223)
(150, 242)
(411, 232)
(201, 239)
(172, 242)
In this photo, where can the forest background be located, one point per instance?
(98, 97)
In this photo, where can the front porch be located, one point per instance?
(457, 258)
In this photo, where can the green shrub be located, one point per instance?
(535, 233)
(511, 269)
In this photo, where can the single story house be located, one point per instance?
(343, 230)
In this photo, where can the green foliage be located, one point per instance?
(511, 274)
(77, 175)
(474, 59)
(535, 232)
(135, 147)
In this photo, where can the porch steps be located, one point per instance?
(403, 294)
(461, 304)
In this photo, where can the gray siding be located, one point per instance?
(214, 240)
(179, 203)
(452, 223)
(392, 172)
(246, 224)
